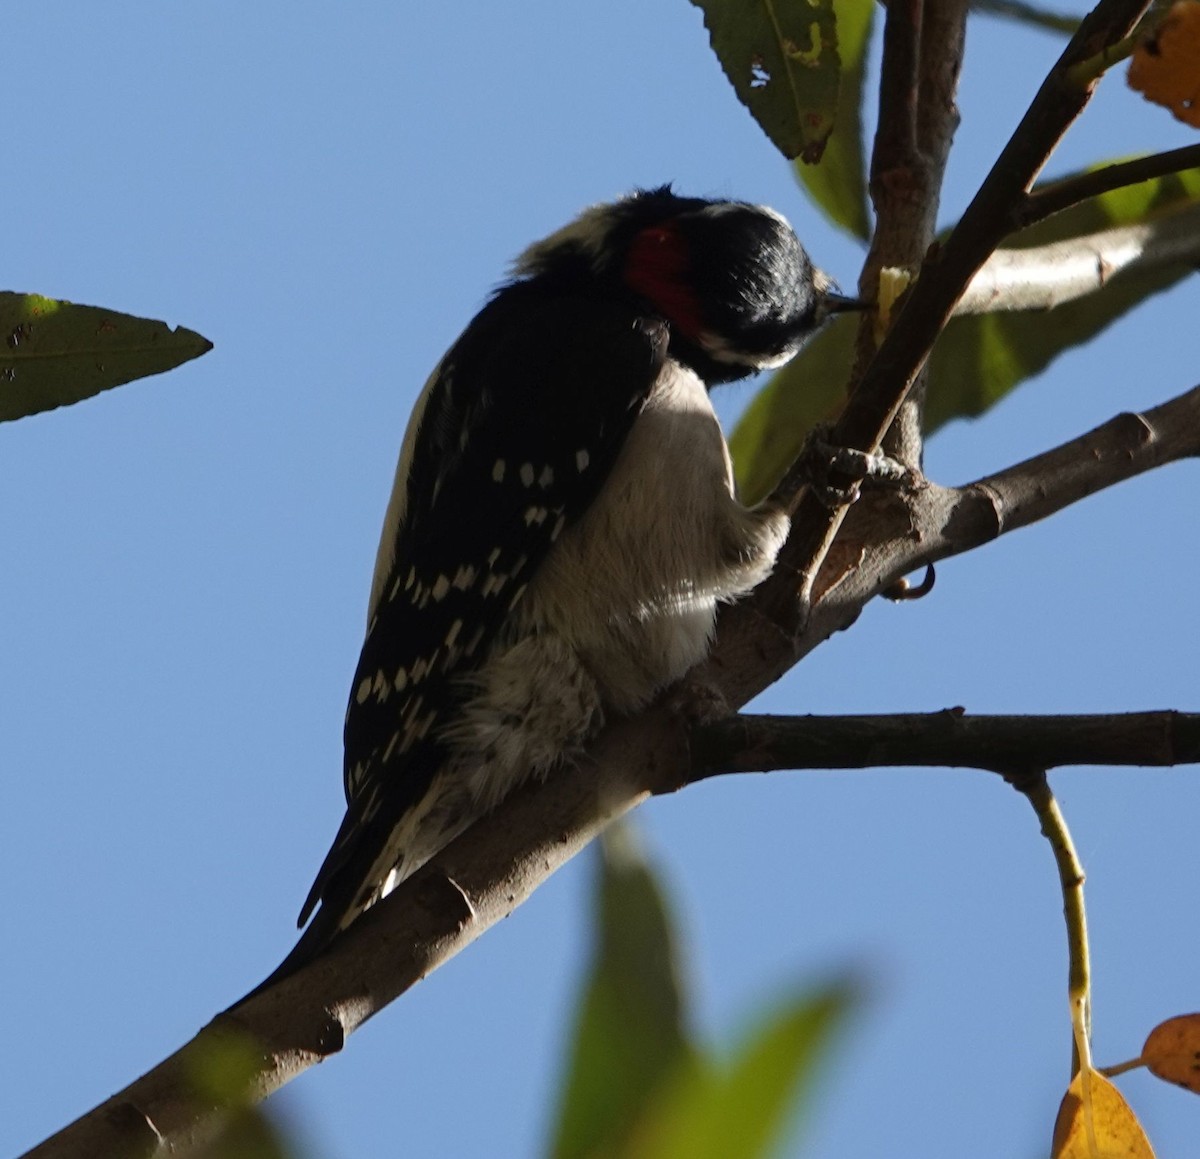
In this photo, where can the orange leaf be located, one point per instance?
(1172, 1051)
(1115, 1130)
(1166, 67)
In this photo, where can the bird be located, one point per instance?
(563, 524)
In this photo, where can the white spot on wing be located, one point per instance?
(441, 586)
(363, 691)
(546, 477)
(401, 681)
(498, 471)
(452, 635)
(464, 577)
(527, 474)
(582, 458)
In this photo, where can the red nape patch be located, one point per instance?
(657, 269)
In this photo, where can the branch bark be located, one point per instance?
(999, 744)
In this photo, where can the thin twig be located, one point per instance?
(1056, 196)
(1086, 72)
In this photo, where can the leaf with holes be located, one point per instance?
(838, 184)
(782, 60)
(56, 353)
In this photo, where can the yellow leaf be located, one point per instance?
(1115, 1132)
(1166, 67)
(1172, 1051)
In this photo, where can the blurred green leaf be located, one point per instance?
(839, 183)
(782, 60)
(742, 1111)
(980, 359)
(808, 390)
(247, 1134)
(224, 1067)
(56, 353)
(1029, 14)
(630, 1036)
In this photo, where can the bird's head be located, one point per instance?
(731, 278)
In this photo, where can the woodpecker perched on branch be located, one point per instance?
(563, 523)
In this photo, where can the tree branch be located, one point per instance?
(1059, 195)
(944, 276)
(953, 738)
(496, 865)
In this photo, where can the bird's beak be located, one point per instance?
(831, 301)
(840, 304)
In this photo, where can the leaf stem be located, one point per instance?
(1036, 789)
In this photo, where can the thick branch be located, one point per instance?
(1125, 446)
(889, 535)
(466, 889)
(491, 869)
(952, 738)
(1044, 276)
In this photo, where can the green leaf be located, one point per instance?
(743, 1109)
(980, 359)
(630, 1036)
(839, 183)
(247, 1133)
(782, 60)
(56, 353)
(224, 1065)
(808, 390)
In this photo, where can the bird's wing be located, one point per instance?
(521, 426)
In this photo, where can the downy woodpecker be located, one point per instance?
(563, 523)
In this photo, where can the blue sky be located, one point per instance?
(328, 193)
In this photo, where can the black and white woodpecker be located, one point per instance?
(563, 524)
